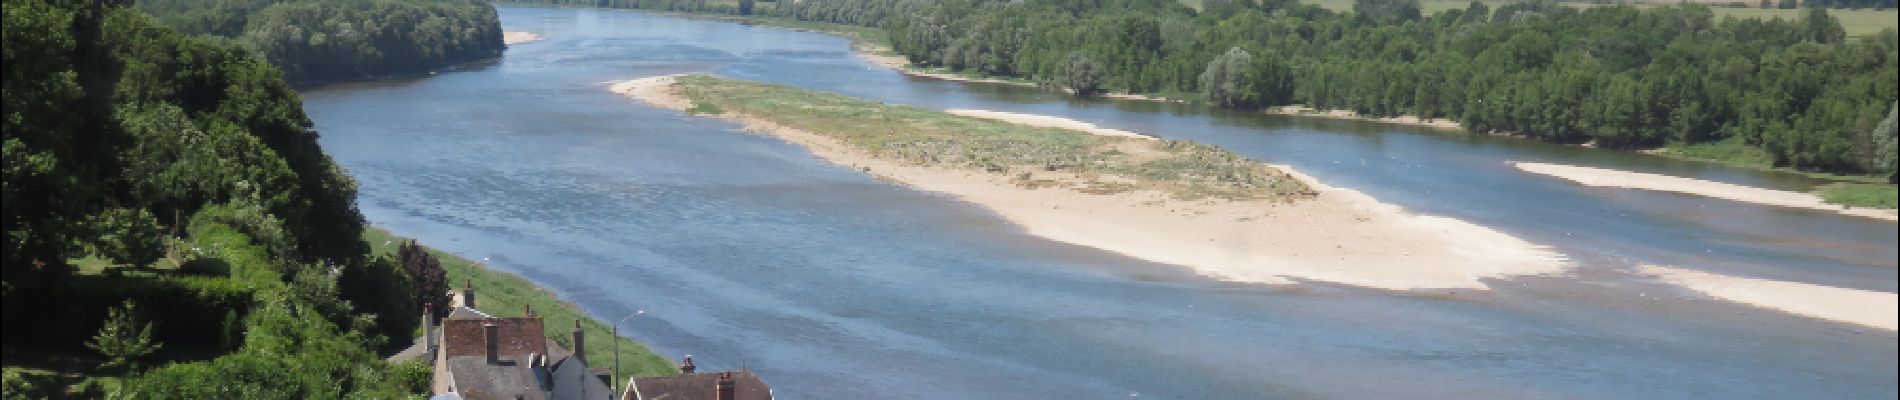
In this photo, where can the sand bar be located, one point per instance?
(1860, 307)
(516, 37)
(1340, 236)
(1590, 176)
(1046, 121)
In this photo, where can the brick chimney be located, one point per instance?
(686, 366)
(724, 390)
(580, 342)
(491, 337)
(468, 293)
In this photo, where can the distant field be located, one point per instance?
(1856, 22)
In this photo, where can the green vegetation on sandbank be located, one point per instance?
(1848, 190)
(1032, 156)
(501, 293)
(1872, 195)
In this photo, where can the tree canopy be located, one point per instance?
(1615, 76)
(316, 41)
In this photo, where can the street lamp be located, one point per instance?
(616, 381)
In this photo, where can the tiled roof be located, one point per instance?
(475, 378)
(518, 337)
(699, 386)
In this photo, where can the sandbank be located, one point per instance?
(515, 37)
(1340, 236)
(1304, 111)
(1591, 176)
(1854, 306)
(1046, 121)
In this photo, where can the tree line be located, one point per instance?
(128, 142)
(1613, 76)
(316, 41)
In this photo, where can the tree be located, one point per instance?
(1884, 136)
(1082, 75)
(1225, 81)
(431, 281)
(128, 236)
(745, 7)
(125, 338)
(1407, 10)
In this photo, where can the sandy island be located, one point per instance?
(514, 37)
(1590, 176)
(1861, 307)
(1340, 236)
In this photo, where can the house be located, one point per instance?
(480, 356)
(692, 385)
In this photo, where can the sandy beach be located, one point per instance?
(514, 37)
(1046, 122)
(1340, 236)
(1860, 307)
(1304, 111)
(1600, 177)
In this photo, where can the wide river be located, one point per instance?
(747, 251)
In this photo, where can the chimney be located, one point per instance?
(428, 331)
(468, 293)
(527, 311)
(724, 388)
(686, 366)
(580, 343)
(491, 336)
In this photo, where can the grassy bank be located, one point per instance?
(504, 294)
(1849, 190)
(1874, 195)
(1031, 156)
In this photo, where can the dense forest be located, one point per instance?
(1614, 76)
(315, 41)
(739, 7)
(169, 209)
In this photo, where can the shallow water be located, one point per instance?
(747, 251)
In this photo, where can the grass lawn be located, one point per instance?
(503, 294)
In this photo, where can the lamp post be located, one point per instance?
(616, 381)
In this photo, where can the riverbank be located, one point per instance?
(1600, 177)
(505, 291)
(1155, 200)
(516, 37)
(1860, 307)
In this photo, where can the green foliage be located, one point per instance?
(329, 40)
(1618, 76)
(430, 282)
(502, 291)
(1082, 75)
(1079, 160)
(705, 109)
(125, 338)
(1873, 195)
(117, 130)
(381, 288)
(128, 236)
(1226, 82)
(1407, 10)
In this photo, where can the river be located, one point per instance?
(746, 251)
